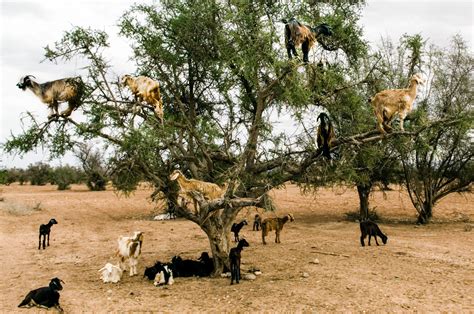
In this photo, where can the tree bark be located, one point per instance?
(364, 191)
(218, 233)
(426, 213)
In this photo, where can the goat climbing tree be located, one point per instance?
(226, 84)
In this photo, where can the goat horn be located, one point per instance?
(30, 76)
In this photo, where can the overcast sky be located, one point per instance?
(28, 26)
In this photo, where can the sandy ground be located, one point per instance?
(422, 268)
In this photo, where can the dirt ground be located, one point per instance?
(422, 268)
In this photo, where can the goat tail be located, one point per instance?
(25, 301)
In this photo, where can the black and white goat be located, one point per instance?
(235, 256)
(45, 296)
(44, 231)
(325, 135)
(160, 273)
(371, 229)
(236, 227)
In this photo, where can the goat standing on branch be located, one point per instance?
(52, 93)
(299, 34)
(326, 135)
(146, 89)
(276, 224)
(388, 102)
(210, 191)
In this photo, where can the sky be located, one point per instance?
(26, 27)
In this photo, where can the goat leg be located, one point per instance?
(48, 237)
(39, 242)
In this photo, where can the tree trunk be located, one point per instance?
(364, 192)
(426, 213)
(218, 233)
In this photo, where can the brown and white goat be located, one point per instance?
(130, 248)
(391, 101)
(209, 191)
(276, 224)
(53, 93)
(326, 135)
(147, 90)
(299, 34)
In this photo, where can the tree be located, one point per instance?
(224, 86)
(39, 173)
(93, 167)
(440, 161)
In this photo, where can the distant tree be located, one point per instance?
(92, 162)
(39, 173)
(64, 176)
(439, 162)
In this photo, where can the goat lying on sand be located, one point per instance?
(44, 297)
(111, 273)
(52, 93)
(389, 102)
(276, 224)
(372, 230)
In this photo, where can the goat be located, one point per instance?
(326, 135)
(389, 102)
(298, 34)
(210, 191)
(203, 267)
(130, 248)
(236, 229)
(44, 297)
(146, 89)
(166, 216)
(371, 229)
(234, 257)
(276, 224)
(111, 273)
(45, 230)
(52, 93)
(257, 223)
(164, 276)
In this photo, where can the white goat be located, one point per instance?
(145, 89)
(52, 93)
(210, 191)
(111, 273)
(388, 102)
(130, 248)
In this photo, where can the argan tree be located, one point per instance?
(226, 82)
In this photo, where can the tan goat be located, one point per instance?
(209, 191)
(147, 90)
(276, 224)
(389, 102)
(52, 93)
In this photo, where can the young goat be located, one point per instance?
(45, 230)
(298, 34)
(257, 223)
(235, 256)
(45, 296)
(52, 93)
(325, 135)
(111, 273)
(372, 230)
(389, 102)
(236, 229)
(160, 273)
(210, 191)
(276, 224)
(146, 89)
(130, 248)
(190, 268)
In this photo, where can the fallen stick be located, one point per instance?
(329, 253)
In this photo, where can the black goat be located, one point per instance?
(44, 231)
(371, 229)
(236, 229)
(326, 135)
(45, 296)
(257, 223)
(208, 264)
(188, 268)
(234, 256)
